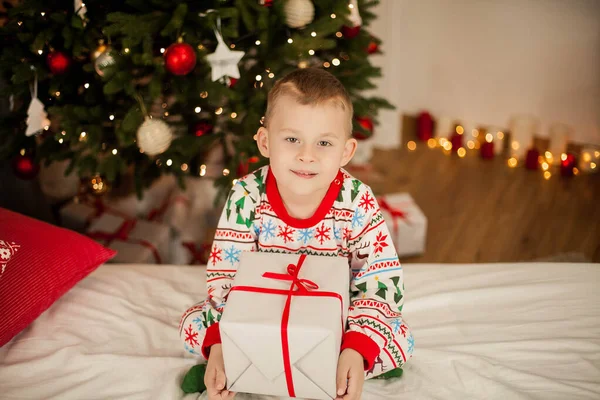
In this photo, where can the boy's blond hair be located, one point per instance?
(311, 86)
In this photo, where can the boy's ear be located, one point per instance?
(262, 141)
(349, 150)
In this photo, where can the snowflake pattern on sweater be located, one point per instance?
(348, 223)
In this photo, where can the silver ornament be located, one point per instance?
(104, 60)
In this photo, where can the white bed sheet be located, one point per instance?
(493, 331)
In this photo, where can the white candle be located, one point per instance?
(559, 135)
(444, 127)
(499, 139)
(522, 128)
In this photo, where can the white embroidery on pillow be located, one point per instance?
(7, 250)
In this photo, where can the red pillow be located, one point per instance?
(39, 263)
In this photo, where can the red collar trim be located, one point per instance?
(277, 203)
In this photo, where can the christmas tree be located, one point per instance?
(148, 87)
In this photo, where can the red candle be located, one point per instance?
(457, 142)
(567, 163)
(487, 150)
(531, 160)
(424, 127)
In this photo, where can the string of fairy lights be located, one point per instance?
(310, 58)
(483, 141)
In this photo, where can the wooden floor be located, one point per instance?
(484, 211)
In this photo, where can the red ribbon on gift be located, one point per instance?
(156, 213)
(122, 234)
(159, 212)
(299, 287)
(199, 254)
(99, 208)
(396, 213)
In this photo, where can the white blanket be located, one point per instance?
(493, 331)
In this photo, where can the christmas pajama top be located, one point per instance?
(347, 223)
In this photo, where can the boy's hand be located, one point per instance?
(350, 375)
(214, 378)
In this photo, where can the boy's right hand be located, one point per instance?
(214, 377)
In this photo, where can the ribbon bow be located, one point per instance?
(303, 285)
(396, 213)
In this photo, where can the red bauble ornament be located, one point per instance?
(372, 47)
(203, 128)
(567, 164)
(266, 3)
(531, 159)
(365, 122)
(232, 81)
(25, 167)
(424, 126)
(58, 62)
(180, 58)
(350, 32)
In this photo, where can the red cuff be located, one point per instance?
(213, 336)
(363, 344)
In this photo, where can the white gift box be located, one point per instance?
(154, 201)
(193, 217)
(254, 343)
(406, 223)
(175, 212)
(136, 241)
(77, 215)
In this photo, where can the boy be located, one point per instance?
(303, 202)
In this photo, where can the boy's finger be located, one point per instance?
(209, 380)
(341, 380)
(353, 385)
(220, 379)
(230, 395)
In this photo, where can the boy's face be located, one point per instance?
(306, 145)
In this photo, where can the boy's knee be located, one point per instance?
(192, 329)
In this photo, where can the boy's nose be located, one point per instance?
(306, 154)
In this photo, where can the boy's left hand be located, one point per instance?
(350, 375)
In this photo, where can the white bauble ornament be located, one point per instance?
(55, 184)
(154, 137)
(298, 13)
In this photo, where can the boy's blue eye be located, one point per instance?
(292, 139)
(324, 143)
